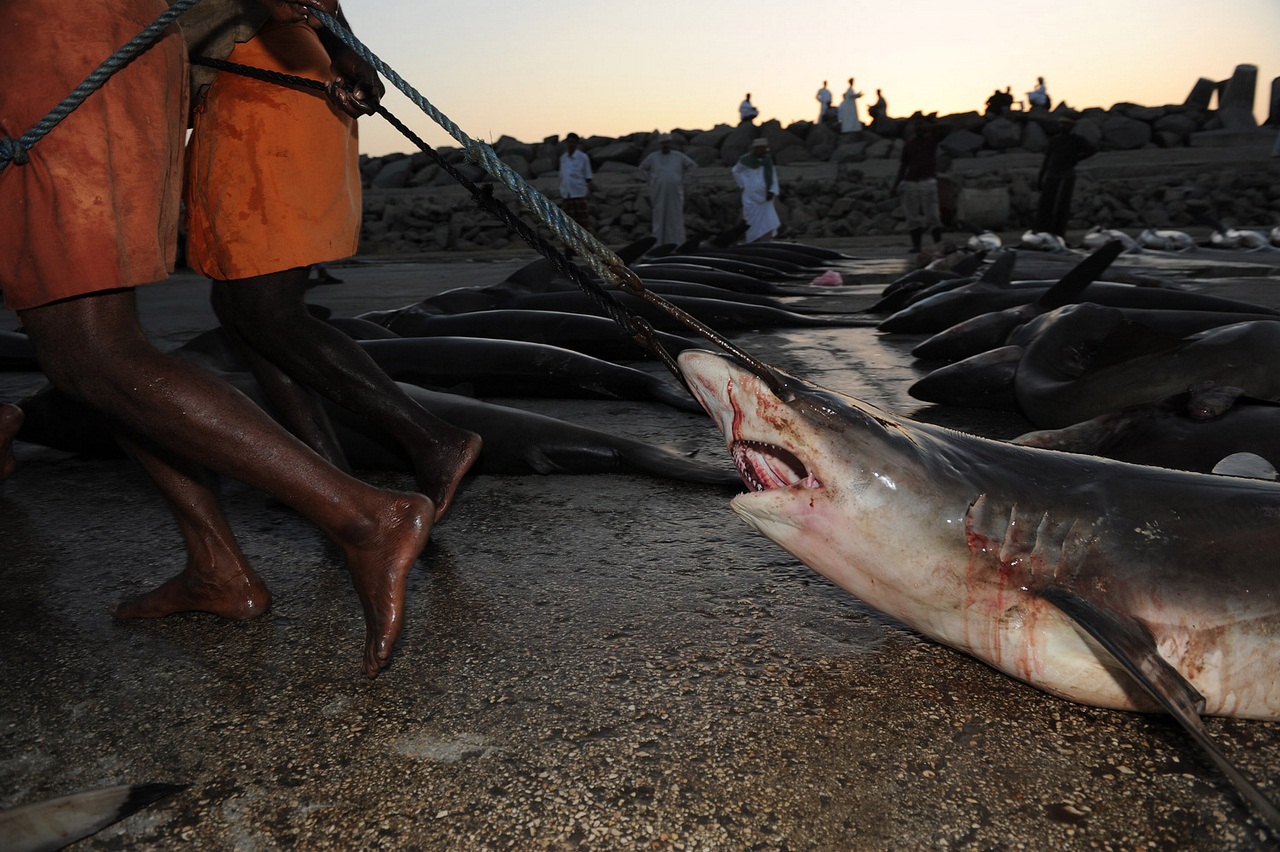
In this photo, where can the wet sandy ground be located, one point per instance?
(600, 662)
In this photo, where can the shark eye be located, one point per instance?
(765, 466)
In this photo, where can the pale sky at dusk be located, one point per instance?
(611, 68)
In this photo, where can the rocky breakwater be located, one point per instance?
(1165, 166)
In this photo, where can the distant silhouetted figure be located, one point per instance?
(575, 182)
(879, 111)
(918, 174)
(747, 111)
(1038, 98)
(824, 102)
(1000, 103)
(1057, 179)
(849, 122)
(666, 170)
(755, 173)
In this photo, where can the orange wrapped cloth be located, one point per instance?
(273, 181)
(96, 208)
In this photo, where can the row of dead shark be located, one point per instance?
(1149, 239)
(1084, 577)
(1153, 375)
(1135, 586)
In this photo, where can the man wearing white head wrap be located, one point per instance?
(755, 173)
(666, 170)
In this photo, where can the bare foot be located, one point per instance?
(239, 595)
(379, 557)
(440, 471)
(10, 421)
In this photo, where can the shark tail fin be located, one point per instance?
(55, 823)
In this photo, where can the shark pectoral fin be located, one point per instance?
(1133, 647)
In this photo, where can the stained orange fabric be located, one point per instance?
(96, 208)
(273, 180)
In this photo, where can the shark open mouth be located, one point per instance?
(766, 466)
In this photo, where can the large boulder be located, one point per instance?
(627, 153)
(962, 143)
(712, 138)
(1124, 134)
(821, 142)
(393, 175)
(736, 143)
(507, 146)
(1034, 139)
(850, 152)
(1001, 134)
(1175, 128)
(779, 138)
(1139, 113)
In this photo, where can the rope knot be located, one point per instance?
(12, 151)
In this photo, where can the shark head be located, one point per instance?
(831, 479)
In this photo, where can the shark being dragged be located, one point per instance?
(1105, 583)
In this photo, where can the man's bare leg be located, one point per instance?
(10, 423)
(296, 406)
(93, 348)
(217, 577)
(270, 313)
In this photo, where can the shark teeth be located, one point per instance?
(767, 466)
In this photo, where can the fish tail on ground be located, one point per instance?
(55, 823)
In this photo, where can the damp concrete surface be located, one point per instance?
(590, 662)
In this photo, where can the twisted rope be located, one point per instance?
(598, 256)
(15, 150)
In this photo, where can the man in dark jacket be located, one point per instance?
(1057, 178)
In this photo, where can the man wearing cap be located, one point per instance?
(755, 173)
(666, 170)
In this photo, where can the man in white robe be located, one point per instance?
(755, 173)
(849, 122)
(666, 170)
(824, 102)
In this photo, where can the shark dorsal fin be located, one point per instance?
(1072, 285)
(1000, 272)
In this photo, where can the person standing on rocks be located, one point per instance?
(849, 122)
(70, 270)
(1057, 178)
(1038, 98)
(879, 111)
(755, 174)
(918, 176)
(1000, 103)
(824, 102)
(575, 182)
(666, 170)
(747, 111)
